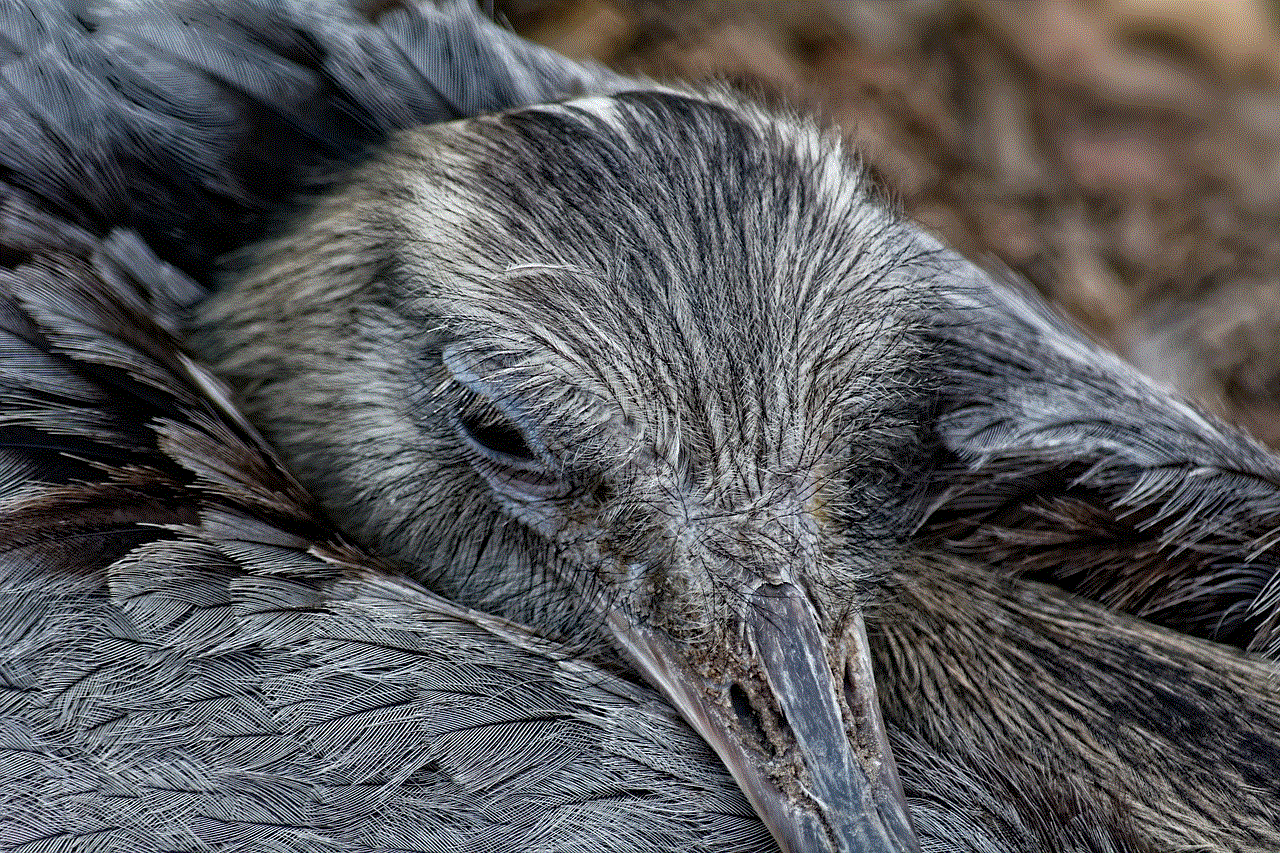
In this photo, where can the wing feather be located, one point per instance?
(1062, 462)
(193, 122)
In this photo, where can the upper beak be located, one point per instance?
(798, 726)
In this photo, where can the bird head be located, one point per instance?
(648, 365)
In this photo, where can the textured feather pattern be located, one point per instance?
(193, 121)
(1064, 463)
(191, 659)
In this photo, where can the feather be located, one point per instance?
(193, 656)
(1061, 462)
(194, 122)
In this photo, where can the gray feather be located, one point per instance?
(193, 657)
(194, 122)
(1069, 465)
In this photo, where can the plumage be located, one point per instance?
(188, 564)
(1063, 463)
(194, 122)
(191, 656)
(194, 656)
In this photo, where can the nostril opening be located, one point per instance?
(748, 717)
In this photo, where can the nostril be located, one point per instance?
(748, 718)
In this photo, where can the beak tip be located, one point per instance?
(844, 795)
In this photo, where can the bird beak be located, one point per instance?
(806, 745)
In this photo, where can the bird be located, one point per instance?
(1020, 717)
(194, 656)
(194, 659)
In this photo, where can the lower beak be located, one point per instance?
(806, 745)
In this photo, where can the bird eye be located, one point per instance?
(502, 455)
(495, 434)
(517, 468)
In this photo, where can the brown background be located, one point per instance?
(1124, 155)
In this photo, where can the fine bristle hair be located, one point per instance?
(663, 270)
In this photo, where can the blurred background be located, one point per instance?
(1122, 155)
